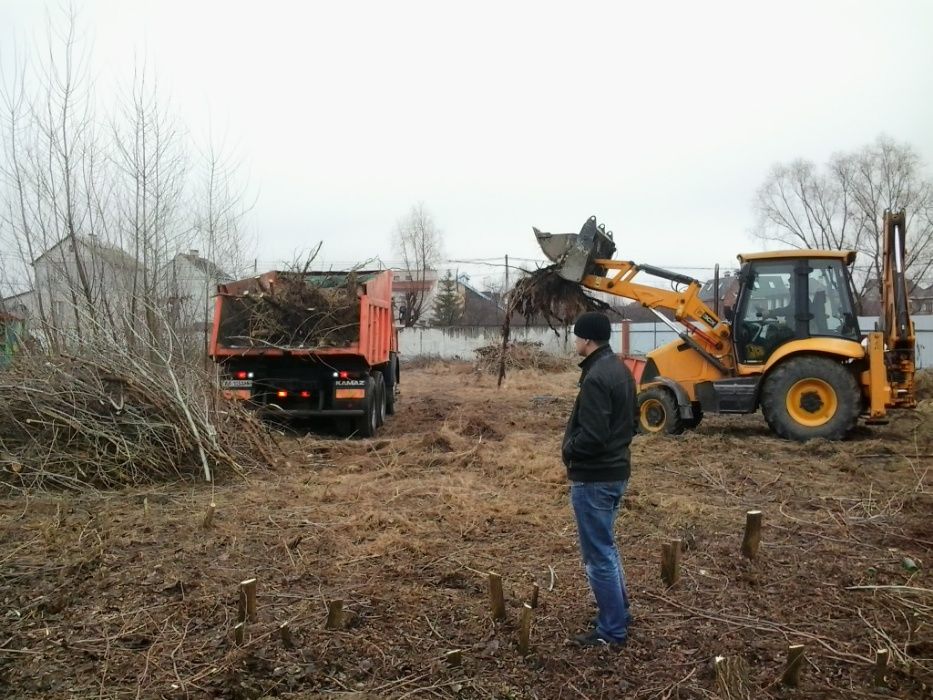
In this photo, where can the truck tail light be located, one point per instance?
(240, 375)
(305, 394)
(282, 394)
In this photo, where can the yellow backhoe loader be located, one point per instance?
(789, 341)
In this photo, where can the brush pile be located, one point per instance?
(924, 384)
(518, 355)
(106, 420)
(544, 293)
(293, 311)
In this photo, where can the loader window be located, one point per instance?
(767, 312)
(831, 308)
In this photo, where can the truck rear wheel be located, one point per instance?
(379, 394)
(658, 412)
(390, 375)
(811, 397)
(367, 424)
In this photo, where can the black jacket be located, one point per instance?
(600, 429)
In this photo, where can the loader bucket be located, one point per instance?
(574, 253)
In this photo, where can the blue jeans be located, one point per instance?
(595, 506)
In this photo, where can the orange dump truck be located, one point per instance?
(349, 372)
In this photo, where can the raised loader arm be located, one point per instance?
(900, 340)
(585, 258)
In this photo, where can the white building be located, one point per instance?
(191, 286)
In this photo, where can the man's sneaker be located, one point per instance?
(594, 639)
(594, 623)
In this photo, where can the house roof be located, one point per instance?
(204, 265)
(106, 252)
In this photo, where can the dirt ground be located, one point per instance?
(126, 594)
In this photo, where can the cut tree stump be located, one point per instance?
(524, 629)
(795, 659)
(288, 639)
(670, 562)
(334, 615)
(752, 538)
(247, 607)
(881, 668)
(496, 598)
(209, 516)
(239, 633)
(732, 678)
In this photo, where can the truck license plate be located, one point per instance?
(237, 384)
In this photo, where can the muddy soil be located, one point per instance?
(126, 594)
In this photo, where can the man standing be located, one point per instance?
(596, 454)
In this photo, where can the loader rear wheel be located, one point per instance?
(658, 413)
(811, 397)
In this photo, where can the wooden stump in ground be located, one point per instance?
(670, 562)
(732, 678)
(496, 597)
(524, 629)
(288, 639)
(795, 659)
(752, 538)
(247, 607)
(334, 615)
(881, 668)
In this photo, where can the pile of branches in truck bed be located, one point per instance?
(521, 354)
(294, 312)
(110, 418)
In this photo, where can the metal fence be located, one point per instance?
(461, 342)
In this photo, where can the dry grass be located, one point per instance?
(113, 601)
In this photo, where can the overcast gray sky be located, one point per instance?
(660, 118)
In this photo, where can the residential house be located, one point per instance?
(411, 288)
(920, 296)
(20, 306)
(191, 286)
(84, 277)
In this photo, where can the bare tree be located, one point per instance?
(150, 224)
(417, 242)
(52, 177)
(841, 206)
(93, 210)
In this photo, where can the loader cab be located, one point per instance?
(790, 296)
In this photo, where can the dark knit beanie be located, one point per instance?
(593, 325)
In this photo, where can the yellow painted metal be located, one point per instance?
(686, 366)
(875, 379)
(847, 256)
(840, 348)
(647, 407)
(812, 402)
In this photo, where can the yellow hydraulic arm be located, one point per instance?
(710, 338)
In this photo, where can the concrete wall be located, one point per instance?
(459, 343)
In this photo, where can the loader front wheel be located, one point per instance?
(658, 413)
(811, 397)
